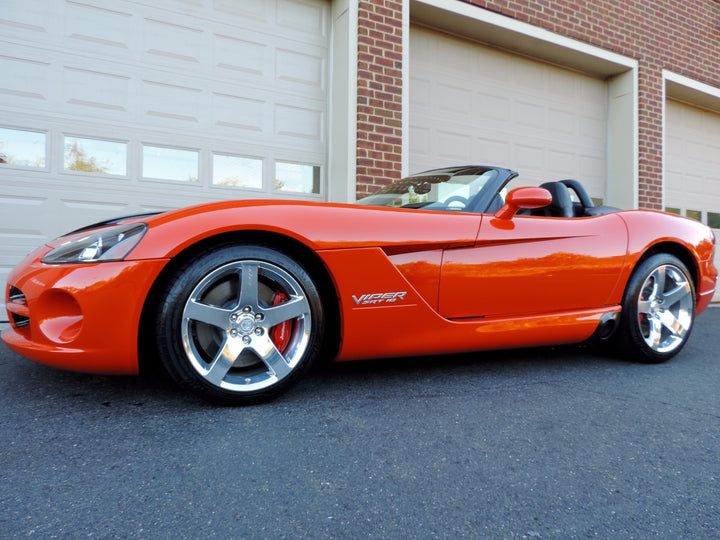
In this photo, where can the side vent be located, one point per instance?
(18, 308)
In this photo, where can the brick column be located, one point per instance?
(650, 138)
(379, 107)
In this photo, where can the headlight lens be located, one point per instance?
(108, 244)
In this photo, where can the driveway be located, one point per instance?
(542, 443)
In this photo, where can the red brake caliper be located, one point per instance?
(280, 333)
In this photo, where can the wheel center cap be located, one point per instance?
(246, 324)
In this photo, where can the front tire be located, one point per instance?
(239, 324)
(658, 310)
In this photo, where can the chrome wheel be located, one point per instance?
(232, 321)
(658, 310)
(665, 308)
(239, 324)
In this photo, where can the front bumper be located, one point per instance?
(81, 317)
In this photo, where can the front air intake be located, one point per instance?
(17, 308)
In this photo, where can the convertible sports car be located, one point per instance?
(237, 299)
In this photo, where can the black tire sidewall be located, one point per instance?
(629, 338)
(175, 294)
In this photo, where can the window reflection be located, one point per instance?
(170, 164)
(96, 156)
(713, 220)
(20, 147)
(237, 171)
(297, 178)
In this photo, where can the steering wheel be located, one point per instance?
(456, 198)
(580, 191)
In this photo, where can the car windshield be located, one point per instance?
(444, 189)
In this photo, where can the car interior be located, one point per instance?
(569, 199)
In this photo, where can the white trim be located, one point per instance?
(490, 27)
(691, 91)
(623, 141)
(342, 103)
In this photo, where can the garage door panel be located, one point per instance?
(238, 78)
(171, 102)
(559, 162)
(692, 164)
(529, 114)
(179, 45)
(544, 121)
(498, 150)
(103, 27)
(27, 16)
(80, 88)
(302, 68)
(491, 107)
(563, 122)
(252, 9)
(306, 18)
(528, 75)
(591, 167)
(592, 131)
(454, 145)
(299, 122)
(29, 85)
(456, 99)
(241, 113)
(241, 55)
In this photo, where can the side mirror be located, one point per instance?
(524, 197)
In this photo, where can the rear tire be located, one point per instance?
(658, 310)
(239, 324)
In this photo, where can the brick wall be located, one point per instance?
(682, 36)
(379, 116)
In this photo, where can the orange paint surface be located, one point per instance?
(408, 282)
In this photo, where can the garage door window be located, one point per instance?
(297, 178)
(170, 164)
(23, 148)
(95, 156)
(237, 171)
(713, 220)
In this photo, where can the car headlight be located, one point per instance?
(108, 244)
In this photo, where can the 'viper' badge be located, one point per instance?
(379, 298)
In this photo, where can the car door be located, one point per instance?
(533, 265)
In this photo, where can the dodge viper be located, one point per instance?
(237, 299)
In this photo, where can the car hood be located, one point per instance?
(320, 226)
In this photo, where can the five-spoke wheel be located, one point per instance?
(239, 324)
(658, 309)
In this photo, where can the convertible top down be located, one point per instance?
(237, 299)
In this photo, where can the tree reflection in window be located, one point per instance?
(22, 148)
(95, 156)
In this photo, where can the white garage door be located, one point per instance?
(471, 104)
(121, 107)
(692, 164)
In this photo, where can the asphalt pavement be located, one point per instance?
(541, 443)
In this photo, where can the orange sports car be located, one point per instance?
(237, 299)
